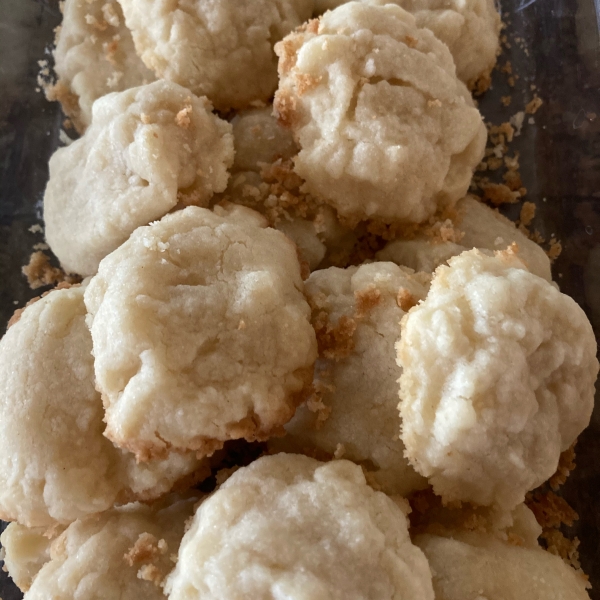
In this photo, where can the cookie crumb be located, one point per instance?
(499, 193)
(335, 342)
(532, 107)
(527, 214)
(40, 272)
(183, 116)
(550, 510)
(565, 465)
(146, 549)
(340, 450)
(366, 300)
(555, 249)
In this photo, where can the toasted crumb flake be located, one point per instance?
(498, 194)
(555, 249)
(527, 213)
(40, 272)
(533, 106)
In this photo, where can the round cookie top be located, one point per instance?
(57, 465)
(222, 49)
(476, 225)
(123, 553)
(356, 314)
(386, 130)
(201, 332)
(147, 149)
(94, 56)
(470, 29)
(460, 555)
(498, 379)
(291, 527)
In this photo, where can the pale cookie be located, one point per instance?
(473, 563)
(24, 552)
(148, 149)
(124, 553)
(498, 378)
(94, 56)
(201, 332)
(478, 226)
(353, 414)
(57, 466)
(386, 130)
(432, 516)
(470, 29)
(222, 49)
(290, 527)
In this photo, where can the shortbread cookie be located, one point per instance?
(498, 379)
(94, 56)
(478, 226)
(386, 130)
(201, 332)
(222, 49)
(57, 465)
(148, 149)
(290, 527)
(357, 313)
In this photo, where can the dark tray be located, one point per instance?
(554, 45)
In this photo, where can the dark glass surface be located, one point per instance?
(554, 45)
(28, 135)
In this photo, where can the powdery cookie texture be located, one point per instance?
(386, 130)
(290, 527)
(124, 553)
(260, 140)
(470, 29)
(24, 552)
(356, 314)
(94, 56)
(221, 49)
(148, 149)
(474, 225)
(479, 562)
(201, 332)
(498, 378)
(57, 465)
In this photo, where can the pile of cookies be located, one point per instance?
(267, 207)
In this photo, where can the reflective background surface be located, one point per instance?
(554, 46)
